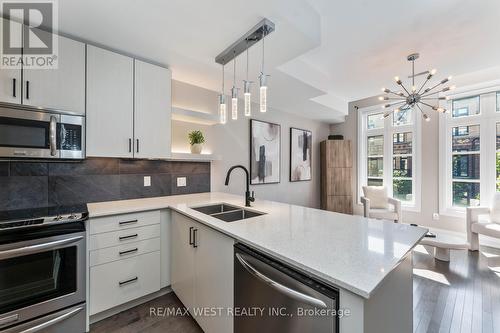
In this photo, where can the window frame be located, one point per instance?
(388, 132)
(487, 119)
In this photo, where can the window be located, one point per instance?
(376, 120)
(497, 162)
(469, 151)
(465, 107)
(389, 151)
(402, 117)
(498, 101)
(402, 166)
(375, 154)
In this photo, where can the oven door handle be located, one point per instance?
(52, 135)
(30, 249)
(297, 295)
(53, 321)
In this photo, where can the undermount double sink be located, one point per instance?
(226, 212)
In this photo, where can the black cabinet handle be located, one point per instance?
(121, 283)
(195, 243)
(128, 251)
(128, 237)
(13, 87)
(190, 236)
(27, 89)
(129, 145)
(137, 145)
(127, 222)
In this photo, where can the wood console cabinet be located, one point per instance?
(336, 176)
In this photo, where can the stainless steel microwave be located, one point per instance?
(40, 134)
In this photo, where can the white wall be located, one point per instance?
(231, 142)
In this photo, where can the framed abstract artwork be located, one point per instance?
(300, 155)
(265, 152)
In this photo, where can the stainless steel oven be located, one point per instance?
(42, 275)
(40, 134)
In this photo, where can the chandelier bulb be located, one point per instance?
(433, 71)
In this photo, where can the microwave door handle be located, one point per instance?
(30, 249)
(297, 295)
(52, 135)
(53, 321)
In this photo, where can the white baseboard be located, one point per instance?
(117, 309)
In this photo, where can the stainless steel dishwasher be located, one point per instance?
(271, 297)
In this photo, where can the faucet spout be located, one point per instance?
(248, 198)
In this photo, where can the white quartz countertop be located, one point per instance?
(351, 252)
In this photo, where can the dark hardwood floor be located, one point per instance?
(460, 296)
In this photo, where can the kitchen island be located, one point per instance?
(369, 261)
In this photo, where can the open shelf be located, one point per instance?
(195, 117)
(194, 157)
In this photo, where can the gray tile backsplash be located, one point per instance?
(37, 184)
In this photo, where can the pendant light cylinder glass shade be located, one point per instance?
(248, 98)
(234, 103)
(222, 109)
(263, 93)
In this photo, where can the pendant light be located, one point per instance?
(247, 94)
(242, 44)
(263, 78)
(234, 93)
(222, 102)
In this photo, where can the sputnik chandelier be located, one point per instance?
(416, 97)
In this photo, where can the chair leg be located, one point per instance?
(474, 242)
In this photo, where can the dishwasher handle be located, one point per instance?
(278, 286)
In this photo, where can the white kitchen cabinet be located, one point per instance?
(62, 89)
(182, 259)
(124, 280)
(202, 272)
(125, 258)
(10, 79)
(110, 103)
(214, 277)
(152, 111)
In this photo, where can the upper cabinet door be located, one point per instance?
(10, 79)
(62, 88)
(152, 113)
(110, 103)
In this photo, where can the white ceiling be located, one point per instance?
(323, 54)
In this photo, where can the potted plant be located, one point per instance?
(196, 140)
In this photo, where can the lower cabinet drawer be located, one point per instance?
(99, 225)
(102, 256)
(114, 238)
(124, 280)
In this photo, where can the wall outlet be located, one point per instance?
(181, 181)
(435, 216)
(147, 180)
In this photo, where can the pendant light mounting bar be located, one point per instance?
(254, 35)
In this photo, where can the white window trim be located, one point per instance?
(388, 132)
(487, 119)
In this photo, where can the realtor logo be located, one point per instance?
(27, 34)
